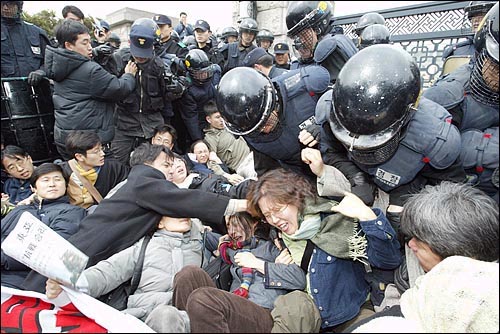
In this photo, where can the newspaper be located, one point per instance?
(37, 246)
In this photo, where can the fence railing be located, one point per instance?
(424, 30)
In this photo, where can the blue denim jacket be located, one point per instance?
(338, 286)
(17, 189)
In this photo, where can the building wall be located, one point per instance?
(121, 21)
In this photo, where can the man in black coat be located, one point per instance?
(137, 207)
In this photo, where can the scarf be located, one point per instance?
(335, 234)
(78, 194)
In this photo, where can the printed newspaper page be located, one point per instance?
(37, 246)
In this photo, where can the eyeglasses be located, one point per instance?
(162, 141)
(273, 212)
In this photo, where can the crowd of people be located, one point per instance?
(339, 194)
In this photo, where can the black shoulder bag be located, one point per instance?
(118, 297)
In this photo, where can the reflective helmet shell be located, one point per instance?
(374, 34)
(374, 95)
(264, 35)
(245, 98)
(487, 35)
(308, 14)
(367, 20)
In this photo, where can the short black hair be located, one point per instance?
(80, 141)
(164, 128)
(74, 10)
(210, 108)
(147, 153)
(68, 31)
(183, 13)
(196, 142)
(13, 151)
(265, 60)
(45, 169)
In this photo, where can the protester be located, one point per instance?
(137, 207)
(51, 206)
(232, 150)
(175, 244)
(337, 244)
(89, 163)
(19, 166)
(84, 93)
(260, 274)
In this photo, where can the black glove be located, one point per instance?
(362, 187)
(315, 130)
(35, 77)
(102, 53)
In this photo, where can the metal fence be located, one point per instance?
(423, 30)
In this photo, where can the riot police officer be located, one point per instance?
(367, 20)
(470, 94)
(308, 23)
(203, 76)
(374, 34)
(229, 35)
(264, 39)
(23, 45)
(271, 113)
(381, 132)
(234, 53)
(474, 13)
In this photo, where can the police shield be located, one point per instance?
(28, 118)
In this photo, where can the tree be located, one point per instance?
(46, 19)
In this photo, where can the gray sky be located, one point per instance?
(217, 13)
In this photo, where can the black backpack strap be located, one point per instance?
(306, 258)
(136, 277)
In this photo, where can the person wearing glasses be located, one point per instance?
(88, 160)
(338, 245)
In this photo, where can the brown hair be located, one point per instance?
(245, 221)
(283, 187)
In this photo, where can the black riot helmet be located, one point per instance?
(376, 93)
(249, 25)
(473, 14)
(264, 35)
(484, 76)
(229, 31)
(367, 20)
(475, 8)
(308, 14)
(374, 34)
(245, 98)
(199, 67)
